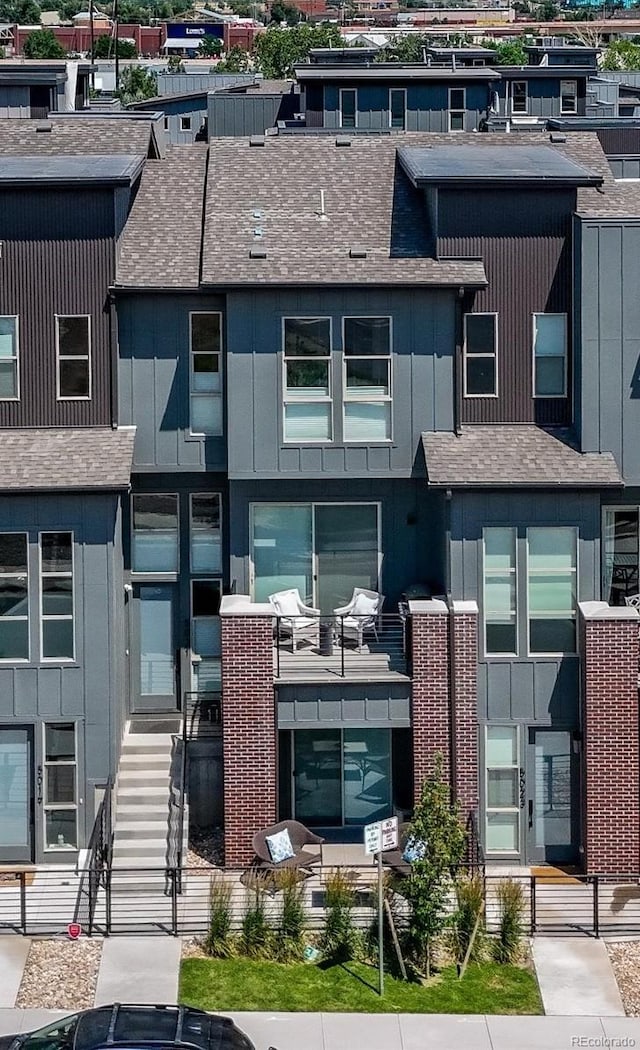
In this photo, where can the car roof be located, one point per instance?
(128, 1026)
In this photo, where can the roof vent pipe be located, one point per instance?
(322, 215)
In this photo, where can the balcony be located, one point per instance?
(328, 648)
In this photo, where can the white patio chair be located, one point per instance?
(296, 619)
(633, 600)
(360, 615)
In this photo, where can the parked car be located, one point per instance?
(129, 1027)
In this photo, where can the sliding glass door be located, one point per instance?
(341, 776)
(322, 549)
(16, 802)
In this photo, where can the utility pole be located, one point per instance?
(93, 45)
(115, 29)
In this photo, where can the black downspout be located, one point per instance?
(453, 759)
(113, 371)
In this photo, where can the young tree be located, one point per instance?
(439, 838)
(175, 64)
(622, 54)
(283, 12)
(508, 52)
(210, 46)
(237, 61)
(279, 50)
(136, 84)
(105, 47)
(43, 44)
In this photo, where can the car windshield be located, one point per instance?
(56, 1036)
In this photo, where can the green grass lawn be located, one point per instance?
(242, 984)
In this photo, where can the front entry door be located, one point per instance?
(16, 795)
(153, 655)
(552, 798)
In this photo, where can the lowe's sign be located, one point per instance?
(193, 32)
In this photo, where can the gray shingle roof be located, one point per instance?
(160, 246)
(65, 458)
(121, 168)
(87, 136)
(514, 455)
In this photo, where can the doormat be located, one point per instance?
(11, 878)
(550, 876)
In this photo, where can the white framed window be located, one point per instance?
(502, 789)
(154, 532)
(620, 553)
(519, 97)
(568, 96)
(457, 108)
(205, 633)
(205, 340)
(14, 596)
(500, 591)
(348, 108)
(205, 531)
(185, 123)
(552, 573)
(549, 355)
(73, 356)
(366, 345)
(60, 786)
(398, 108)
(56, 596)
(9, 360)
(308, 404)
(480, 371)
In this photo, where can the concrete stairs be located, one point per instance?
(142, 807)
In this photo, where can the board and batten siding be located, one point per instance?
(524, 240)
(608, 318)
(427, 104)
(153, 381)
(423, 342)
(57, 258)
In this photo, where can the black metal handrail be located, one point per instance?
(339, 640)
(99, 858)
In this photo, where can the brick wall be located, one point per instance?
(611, 749)
(248, 732)
(465, 664)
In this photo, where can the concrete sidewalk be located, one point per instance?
(139, 970)
(13, 956)
(404, 1031)
(576, 977)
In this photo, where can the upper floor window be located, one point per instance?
(500, 593)
(185, 123)
(60, 786)
(307, 378)
(73, 349)
(568, 96)
(348, 108)
(154, 545)
(550, 355)
(205, 532)
(621, 554)
(457, 107)
(367, 378)
(56, 595)
(519, 100)
(480, 355)
(9, 386)
(397, 108)
(14, 596)
(205, 372)
(552, 586)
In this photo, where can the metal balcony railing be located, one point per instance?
(343, 646)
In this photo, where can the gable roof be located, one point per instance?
(514, 455)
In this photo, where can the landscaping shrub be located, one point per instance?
(256, 937)
(289, 946)
(340, 940)
(219, 941)
(470, 898)
(506, 948)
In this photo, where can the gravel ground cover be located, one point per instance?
(205, 849)
(625, 959)
(60, 974)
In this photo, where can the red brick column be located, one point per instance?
(609, 666)
(430, 688)
(465, 669)
(248, 731)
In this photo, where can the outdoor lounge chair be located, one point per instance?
(360, 615)
(393, 857)
(305, 844)
(295, 618)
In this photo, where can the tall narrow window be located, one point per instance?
(480, 355)
(552, 586)
(620, 577)
(367, 378)
(568, 96)
(14, 597)
(9, 388)
(307, 379)
(56, 595)
(205, 633)
(519, 101)
(550, 355)
(500, 591)
(502, 789)
(154, 546)
(457, 107)
(73, 341)
(397, 108)
(348, 108)
(205, 385)
(205, 533)
(60, 786)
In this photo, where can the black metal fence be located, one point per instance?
(342, 645)
(170, 901)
